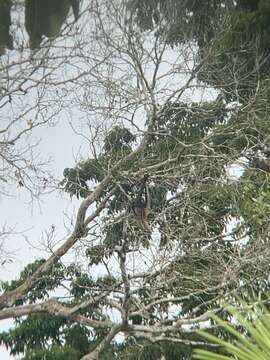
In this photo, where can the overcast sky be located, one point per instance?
(31, 220)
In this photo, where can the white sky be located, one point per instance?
(61, 144)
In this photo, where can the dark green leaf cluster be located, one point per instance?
(180, 125)
(75, 179)
(117, 144)
(49, 280)
(178, 21)
(45, 336)
(118, 139)
(143, 350)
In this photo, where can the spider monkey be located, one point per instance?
(141, 205)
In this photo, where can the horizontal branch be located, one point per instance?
(53, 307)
(188, 342)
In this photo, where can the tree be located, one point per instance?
(232, 37)
(210, 233)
